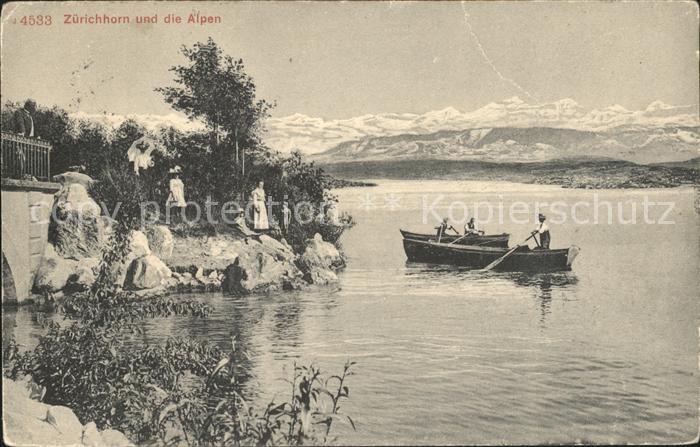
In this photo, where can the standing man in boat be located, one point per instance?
(543, 231)
(470, 228)
(443, 227)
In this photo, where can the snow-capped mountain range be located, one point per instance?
(314, 135)
(611, 131)
(530, 144)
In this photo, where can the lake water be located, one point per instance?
(606, 353)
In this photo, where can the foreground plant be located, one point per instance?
(181, 392)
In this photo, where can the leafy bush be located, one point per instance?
(184, 391)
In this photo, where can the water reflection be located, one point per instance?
(544, 285)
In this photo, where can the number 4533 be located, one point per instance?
(34, 20)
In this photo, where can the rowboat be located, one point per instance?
(486, 240)
(478, 257)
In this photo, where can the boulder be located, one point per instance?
(258, 271)
(53, 272)
(23, 402)
(91, 436)
(323, 254)
(320, 260)
(280, 249)
(209, 253)
(28, 422)
(138, 248)
(84, 275)
(65, 421)
(114, 438)
(161, 241)
(77, 229)
(69, 177)
(139, 245)
(146, 273)
(74, 197)
(320, 276)
(78, 236)
(22, 430)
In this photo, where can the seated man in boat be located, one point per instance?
(543, 231)
(443, 227)
(470, 228)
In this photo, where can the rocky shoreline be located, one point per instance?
(159, 262)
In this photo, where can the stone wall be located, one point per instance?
(26, 207)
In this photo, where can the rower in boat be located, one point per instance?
(443, 227)
(470, 228)
(543, 232)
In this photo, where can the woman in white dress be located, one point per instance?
(259, 210)
(176, 198)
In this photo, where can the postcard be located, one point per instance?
(350, 223)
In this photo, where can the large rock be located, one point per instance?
(28, 422)
(138, 248)
(320, 261)
(77, 228)
(114, 438)
(65, 421)
(53, 272)
(260, 272)
(69, 177)
(84, 275)
(248, 264)
(209, 253)
(91, 436)
(139, 244)
(161, 241)
(146, 273)
(78, 236)
(74, 196)
(262, 266)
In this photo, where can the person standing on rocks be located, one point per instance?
(176, 198)
(286, 217)
(260, 222)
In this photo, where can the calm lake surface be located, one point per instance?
(606, 353)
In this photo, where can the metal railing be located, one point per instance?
(25, 157)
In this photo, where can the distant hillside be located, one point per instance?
(510, 144)
(693, 163)
(579, 172)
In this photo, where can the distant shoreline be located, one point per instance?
(569, 173)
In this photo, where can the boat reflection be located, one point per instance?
(543, 284)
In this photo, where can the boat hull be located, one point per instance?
(487, 240)
(523, 259)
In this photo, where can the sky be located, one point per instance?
(339, 60)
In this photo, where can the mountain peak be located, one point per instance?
(515, 100)
(617, 108)
(446, 112)
(658, 105)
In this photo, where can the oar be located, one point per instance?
(498, 261)
(458, 239)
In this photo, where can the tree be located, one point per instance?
(216, 89)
